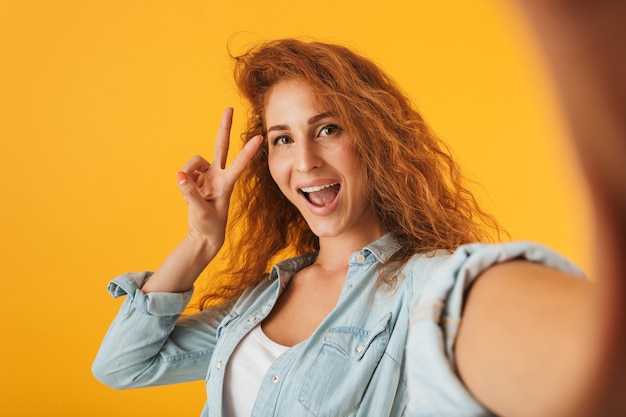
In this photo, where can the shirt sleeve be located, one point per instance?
(148, 343)
(435, 389)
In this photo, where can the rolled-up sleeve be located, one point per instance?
(435, 387)
(156, 303)
(148, 343)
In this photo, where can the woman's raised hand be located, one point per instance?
(207, 187)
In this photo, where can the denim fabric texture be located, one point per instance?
(380, 352)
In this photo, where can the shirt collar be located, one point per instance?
(384, 247)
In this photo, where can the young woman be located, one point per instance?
(339, 170)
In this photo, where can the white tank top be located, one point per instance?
(246, 369)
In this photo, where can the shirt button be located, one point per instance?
(360, 258)
(360, 348)
(252, 319)
(274, 378)
(219, 365)
(350, 287)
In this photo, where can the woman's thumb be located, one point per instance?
(187, 188)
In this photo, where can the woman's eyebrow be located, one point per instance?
(278, 127)
(319, 117)
(311, 121)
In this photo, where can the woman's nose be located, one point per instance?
(307, 156)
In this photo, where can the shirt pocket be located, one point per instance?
(336, 381)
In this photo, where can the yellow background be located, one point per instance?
(102, 101)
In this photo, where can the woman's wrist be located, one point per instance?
(204, 249)
(182, 267)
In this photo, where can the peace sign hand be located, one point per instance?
(207, 187)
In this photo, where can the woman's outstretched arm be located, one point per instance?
(546, 362)
(585, 44)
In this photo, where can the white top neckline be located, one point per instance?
(246, 369)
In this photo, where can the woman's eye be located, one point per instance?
(281, 140)
(329, 130)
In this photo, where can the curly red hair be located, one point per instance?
(414, 186)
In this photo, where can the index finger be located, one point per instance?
(222, 142)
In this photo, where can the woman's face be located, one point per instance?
(312, 161)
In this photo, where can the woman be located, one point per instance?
(339, 170)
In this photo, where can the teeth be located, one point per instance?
(317, 188)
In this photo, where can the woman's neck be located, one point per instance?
(335, 252)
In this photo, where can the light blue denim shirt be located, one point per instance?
(380, 352)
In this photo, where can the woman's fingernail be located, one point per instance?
(181, 177)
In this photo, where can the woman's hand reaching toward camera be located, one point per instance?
(207, 188)
(584, 44)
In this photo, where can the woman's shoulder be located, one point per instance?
(437, 275)
(478, 256)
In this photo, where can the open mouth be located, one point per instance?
(321, 195)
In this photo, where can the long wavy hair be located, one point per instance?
(414, 186)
